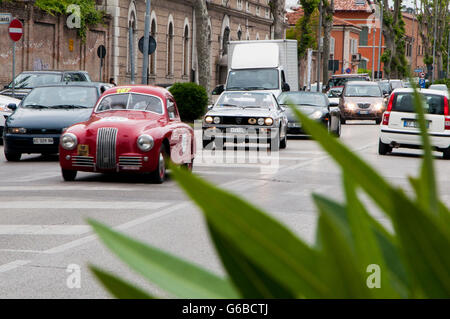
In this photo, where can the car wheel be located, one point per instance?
(69, 175)
(1, 141)
(12, 156)
(378, 121)
(339, 129)
(383, 149)
(446, 154)
(283, 142)
(159, 175)
(343, 120)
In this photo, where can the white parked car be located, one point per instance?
(439, 87)
(5, 112)
(400, 126)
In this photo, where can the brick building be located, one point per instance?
(49, 44)
(356, 30)
(173, 26)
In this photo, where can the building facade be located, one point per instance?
(173, 27)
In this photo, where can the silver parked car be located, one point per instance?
(246, 117)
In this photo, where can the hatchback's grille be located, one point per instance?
(83, 161)
(39, 131)
(106, 148)
(135, 161)
(363, 105)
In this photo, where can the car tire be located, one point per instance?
(378, 121)
(12, 156)
(283, 142)
(446, 154)
(343, 121)
(1, 140)
(69, 175)
(160, 174)
(383, 149)
(339, 129)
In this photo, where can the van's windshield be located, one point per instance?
(253, 79)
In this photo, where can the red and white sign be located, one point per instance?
(422, 75)
(15, 30)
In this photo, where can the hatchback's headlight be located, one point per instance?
(268, 121)
(17, 130)
(378, 106)
(69, 141)
(316, 115)
(350, 106)
(260, 121)
(217, 120)
(145, 143)
(4, 108)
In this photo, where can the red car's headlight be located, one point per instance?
(69, 141)
(145, 143)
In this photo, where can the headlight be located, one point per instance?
(4, 108)
(378, 106)
(69, 141)
(350, 106)
(145, 143)
(17, 130)
(316, 115)
(217, 120)
(260, 121)
(209, 119)
(268, 121)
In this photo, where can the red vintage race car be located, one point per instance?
(131, 129)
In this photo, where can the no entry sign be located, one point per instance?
(15, 30)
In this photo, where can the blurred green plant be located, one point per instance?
(263, 259)
(191, 98)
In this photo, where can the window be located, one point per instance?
(170, 49)
(332, 46)
(353, 46)
(171, 109)
(239, 34)
(257, 11)
(363, 64)
(247, 6)
(239, 4)
(131, 101)
(363, 36)
(186, 51)
(267, 13)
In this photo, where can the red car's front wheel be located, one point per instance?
(69, 175)
(159, 175)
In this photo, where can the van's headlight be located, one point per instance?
(17, 130)
(145, 143)
(69, 141)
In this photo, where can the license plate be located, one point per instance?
(363, 112)
(414, 124)
(294, 125)
(238, 130)
(43, 141)
(83, 150)
(130, 168)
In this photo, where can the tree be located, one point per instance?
(203, 44)
(327, 23)
(278, 10)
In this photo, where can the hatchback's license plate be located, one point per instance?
(363, 112)
(414, 124)
(238, 130)
(43, 141)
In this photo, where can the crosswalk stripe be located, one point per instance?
(13, 265)
(44, 229)
(111, 205)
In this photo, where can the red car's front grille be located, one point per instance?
(106, 148)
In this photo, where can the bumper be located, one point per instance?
(410, 139)
(357, 115)
(295, 128)
(244, 133)
(23, 143)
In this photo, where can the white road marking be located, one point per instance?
(44, 229)
(87, 205)
(65, 187)
(13, 265)
(36, 177)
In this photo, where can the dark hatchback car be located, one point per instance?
(36, 124)
(28, 80)
(316, 105)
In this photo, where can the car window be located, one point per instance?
(404, 102)
(76, 77)
(303, 98)
(363, 91)
(245, 100)
(131, 101)
(172, 112)
(61, 96)
(113, 102)
(32, 80)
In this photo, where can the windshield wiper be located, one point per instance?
(252, 88)
(36, 106)
(68, 106)
(234, 88)
(254, 107)
(228, 105)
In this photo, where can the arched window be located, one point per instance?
(170, 49)
(132, 42)
(225, 39)
(153, 56)
(186, 51)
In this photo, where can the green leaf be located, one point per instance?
(183, 279)
(117, 287)
(260, 238)
(428, 197)
(252, 281)
(362, 173)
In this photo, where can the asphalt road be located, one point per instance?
(43, 219)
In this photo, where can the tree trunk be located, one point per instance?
(327, 12)
(278, 10)
(203, 45)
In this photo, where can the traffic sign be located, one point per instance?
(418, 70)
(422, 75)
(348, 71)
(101, 51)
(151, 45)
(422, 83)
(5, 18)
(15, 30)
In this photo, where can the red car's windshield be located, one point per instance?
(131, 101)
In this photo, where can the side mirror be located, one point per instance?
(286, 87)
(218, 90)
(12, 106)
(210, 107)
(385, 92)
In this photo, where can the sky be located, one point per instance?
(409, 3)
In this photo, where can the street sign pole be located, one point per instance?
(381, 39)
(14, 71)
(146, 46)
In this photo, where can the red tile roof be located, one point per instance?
(352, 5)
(341, 22)
(297, 13)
